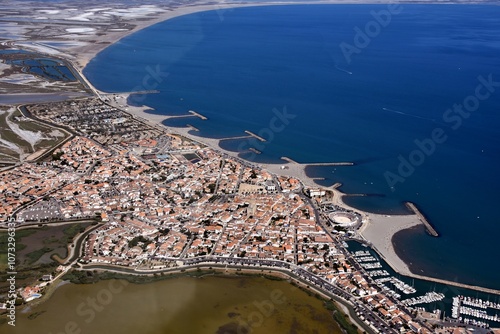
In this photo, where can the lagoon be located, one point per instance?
(221, 305)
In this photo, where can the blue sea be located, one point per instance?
(412, 98)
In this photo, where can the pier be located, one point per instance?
(235, 138)
(191, 114)
(192, 127)
(180, 116)
(255, 136)
(331, 164)
(152, 91)
(319, 163)
(289, 160)
(422, 218)
(254, 150)
(475, 311)
(194, 113)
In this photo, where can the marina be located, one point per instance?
(469, 310)
(376, 273)
(391, 293)
(429, 297)
(366, 260)
(452, 303)
(459, 305)
(387, 282)
(371, 265)
(397, 284)
(479, 303)
(361, 253)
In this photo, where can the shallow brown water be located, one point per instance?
(222, 305)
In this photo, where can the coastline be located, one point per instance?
(83, 55)
(377, 229)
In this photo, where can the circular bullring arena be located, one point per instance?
(344, 219)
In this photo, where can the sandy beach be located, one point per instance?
(378, 232)
(85, 53)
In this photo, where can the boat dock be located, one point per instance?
(255, 136)
(376, 273)
(474, 311)
(422, 218)
(194, 113)
(429, 297)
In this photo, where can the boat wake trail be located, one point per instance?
(406, 114)
(342, 70)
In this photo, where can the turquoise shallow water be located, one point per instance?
(243, 68)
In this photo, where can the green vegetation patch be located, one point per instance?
(35, 315)
(35, 248)
(341, 318)
(34, 256)
(90, 277)
(4, 245)
(71, 231)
